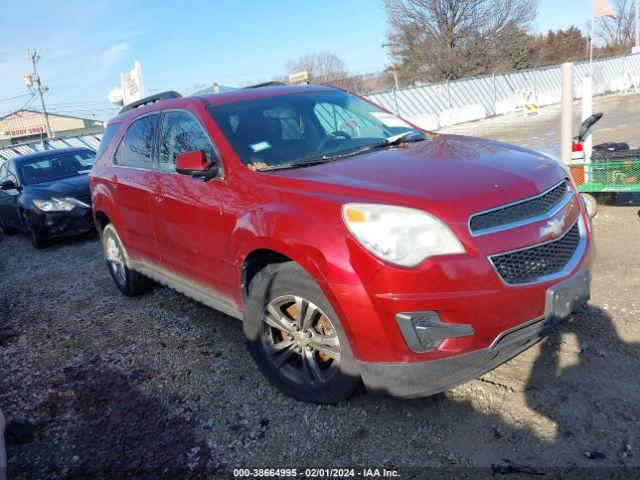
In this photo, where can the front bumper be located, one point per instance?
(62, 224)
(421, 379)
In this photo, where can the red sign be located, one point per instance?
(27, 131)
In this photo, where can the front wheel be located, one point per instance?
(36, 239)
(129, 282)
(295, 337)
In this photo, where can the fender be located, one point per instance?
(329, 256)
(103, 201)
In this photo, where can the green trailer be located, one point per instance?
(599, 181)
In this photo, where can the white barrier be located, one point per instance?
(462, 115)
(426, 122)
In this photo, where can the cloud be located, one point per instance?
(113, 54)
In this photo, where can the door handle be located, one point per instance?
(114, 181)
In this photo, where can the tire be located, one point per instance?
(129, 282)
(306, 356)
(606, 198)
(36, 240)
(590, 203)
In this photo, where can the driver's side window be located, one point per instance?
(181, 132)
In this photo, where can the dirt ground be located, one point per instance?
(161, 386)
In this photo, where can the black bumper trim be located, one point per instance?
(421, 379)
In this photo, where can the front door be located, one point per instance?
(187, 211)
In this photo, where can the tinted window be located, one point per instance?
(107, 136)
(181, 133)
(46, 169)
(136, 148)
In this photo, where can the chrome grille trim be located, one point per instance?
(526, 221)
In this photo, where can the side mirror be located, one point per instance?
(8, 185)
(195, 163)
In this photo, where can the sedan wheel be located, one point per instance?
(36, 240)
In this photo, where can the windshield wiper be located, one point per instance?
(284, 166)
(386, 142)
(404, 137)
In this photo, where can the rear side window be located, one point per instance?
(181, 133)
(107, 136)
(136, 148)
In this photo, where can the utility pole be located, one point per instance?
(637, 49)
(395, 78)
(34, 79)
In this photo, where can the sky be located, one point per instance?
(84, 46)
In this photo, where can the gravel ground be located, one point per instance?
(99, 385)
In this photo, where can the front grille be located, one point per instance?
(520, 211)
(530, 264)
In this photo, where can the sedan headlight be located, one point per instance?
(399, 235)
(56, 204)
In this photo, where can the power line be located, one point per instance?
(14, 98)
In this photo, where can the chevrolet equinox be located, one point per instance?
(353, 245)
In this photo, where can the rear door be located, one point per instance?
(187, 211)
(131, 182)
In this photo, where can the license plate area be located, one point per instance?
(566, 297)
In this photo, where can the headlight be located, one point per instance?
(399, 235)
(56, 204)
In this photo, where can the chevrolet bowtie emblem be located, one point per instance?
(553, 227)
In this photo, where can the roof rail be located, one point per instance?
(267, 84)
(150, 99)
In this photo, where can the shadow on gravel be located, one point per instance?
(577, 398)
(112, 431)
(627, 199)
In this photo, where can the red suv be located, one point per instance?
(353, 245)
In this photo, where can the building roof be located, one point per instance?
(50, 114)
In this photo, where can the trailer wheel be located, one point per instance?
(590, 204)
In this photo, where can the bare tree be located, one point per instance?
(436, 39)
(322, 67)
(619, 31)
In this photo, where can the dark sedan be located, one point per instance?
(46, 194)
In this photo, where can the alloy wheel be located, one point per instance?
(300, 341)
(115, 259)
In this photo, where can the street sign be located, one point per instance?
(132, 87)
(299, 78)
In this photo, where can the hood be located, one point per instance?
(452, 175)
(76, 186)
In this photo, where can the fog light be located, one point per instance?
(423, 331)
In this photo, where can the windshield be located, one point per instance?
(46, 169)
(297, 128)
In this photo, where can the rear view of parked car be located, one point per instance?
(354, 246)
(46, 194)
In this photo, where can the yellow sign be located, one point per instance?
(298, 78)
